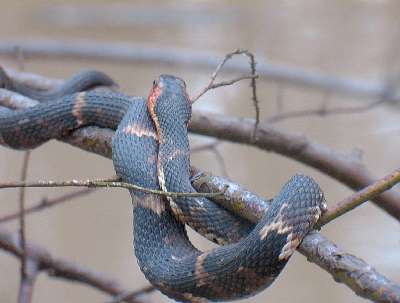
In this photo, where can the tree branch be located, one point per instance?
(361, 277)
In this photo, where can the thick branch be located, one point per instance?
(344, 168)
(351, 270)
(122, 52)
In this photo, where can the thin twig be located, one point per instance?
(47, 203)
(356, 199)
(253, 77)
(212, 85)
(254, 92)
(27, 284)
(22, 213)
(133, 294)
(324, 111)
(101, 183)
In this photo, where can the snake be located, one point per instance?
(150, 148)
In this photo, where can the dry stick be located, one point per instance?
(253, 77)
(98, 140)
(47, 203)
(132, 294)
(22, 212)
(61, 268)
(360, 197)
(102, 183)
(324, 111)
(27, 278)
(25, 293)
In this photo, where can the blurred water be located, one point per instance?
(347, 38)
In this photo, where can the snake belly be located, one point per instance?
(164, 252)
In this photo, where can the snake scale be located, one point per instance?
(151, 149)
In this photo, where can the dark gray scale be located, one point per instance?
(82, 81)
(222, 226)
(31, 127)
(164, 253)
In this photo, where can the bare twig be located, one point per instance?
(253, 77)
(22, 214)
(123, 52)
(47, 203)
(211, 84)
(132, 294)
(324, 111)
(361, 196)
(25, 293)
(101, 183)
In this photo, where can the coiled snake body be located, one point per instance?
(150, 149)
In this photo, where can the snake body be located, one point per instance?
(82, 81)
(150, 149)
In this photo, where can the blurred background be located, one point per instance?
(347, 39)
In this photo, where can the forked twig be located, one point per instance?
(253, 77)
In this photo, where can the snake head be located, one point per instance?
(168, 96)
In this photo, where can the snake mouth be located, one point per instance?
(154, 94)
